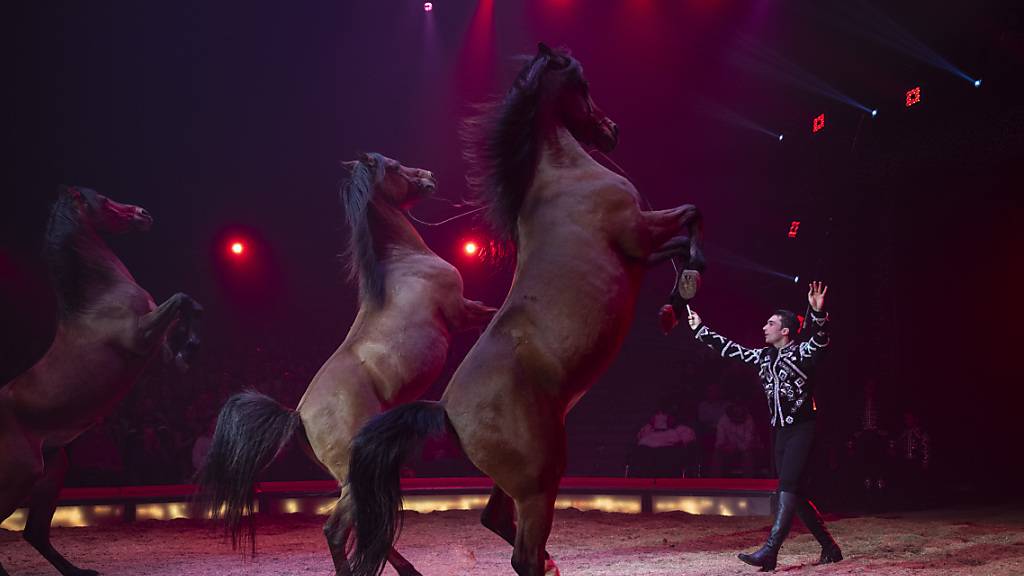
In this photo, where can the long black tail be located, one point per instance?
(378, 452)
(251, 430)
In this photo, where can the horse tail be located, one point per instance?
(252, 428)
(378, 452)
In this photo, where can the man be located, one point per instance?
(785, 368)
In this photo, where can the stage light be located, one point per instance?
(796, 279)
(977, 83)
(819, 123)
(794, 227)
(471, 248)
(913, 96)
(237, 248)
(428, 6)
(874, 113)
(780, 137)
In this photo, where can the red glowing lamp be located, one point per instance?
(819, 123)
(794, 227)
(471, 248)
(237, 248)
(913, 96)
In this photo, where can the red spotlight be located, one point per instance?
(794, 227)
(819, 123)
(428, 6)
(913, 96)
(471, 248)
(237, 248)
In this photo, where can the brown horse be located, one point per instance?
(108, 330)
(410, 303)
(582, 244)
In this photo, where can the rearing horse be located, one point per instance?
(108, 330)
(410, 302)
(582, 245)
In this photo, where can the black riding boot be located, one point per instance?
(809, 515)
(766, 557)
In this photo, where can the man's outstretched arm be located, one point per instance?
(724, 346)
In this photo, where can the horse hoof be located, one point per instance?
(550, 568)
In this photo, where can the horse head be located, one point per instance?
(564, 96)
(376, 180)
(392, 183)
(104, 215)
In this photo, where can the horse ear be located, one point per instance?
(349, 165)
(367, 159)
(71, 191)
(543, 49)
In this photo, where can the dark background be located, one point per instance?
(230, 119)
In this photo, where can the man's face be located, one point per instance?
(660, 421)
(774, 333)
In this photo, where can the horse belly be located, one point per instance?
(63, 395)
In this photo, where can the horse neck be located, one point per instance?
(84, 267)
(393, 234)
(559, 150)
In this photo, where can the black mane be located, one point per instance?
(70, 269)
(503, 147)
(356, 195)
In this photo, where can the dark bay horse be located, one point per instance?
(410, 303)
(582, 245)
(108, 329)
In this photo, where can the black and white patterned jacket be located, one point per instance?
(785, 374)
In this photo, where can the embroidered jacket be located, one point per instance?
(785, 374)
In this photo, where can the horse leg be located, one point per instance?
(499, 515)
(20, 468)
(401, 565)
(42, 504)
(154, 327)
(535, 513)
(675, 246)
(337, 530)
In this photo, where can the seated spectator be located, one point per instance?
(201, 447)
(912, 458)
(710, 409)
(663, 449)
(736, 444)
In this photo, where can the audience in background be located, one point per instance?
(736, 443)
(664, 449)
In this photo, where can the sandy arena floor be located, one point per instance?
(979, 541)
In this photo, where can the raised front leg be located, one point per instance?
(675, 246)
(42, 504)
(473, 314)
(155, 327)
(664, 227)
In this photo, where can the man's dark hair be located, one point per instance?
(789, 320)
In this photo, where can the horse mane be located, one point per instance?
(361, 257)
(69, 267)
(502, 147)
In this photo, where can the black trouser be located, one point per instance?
(793, 445)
